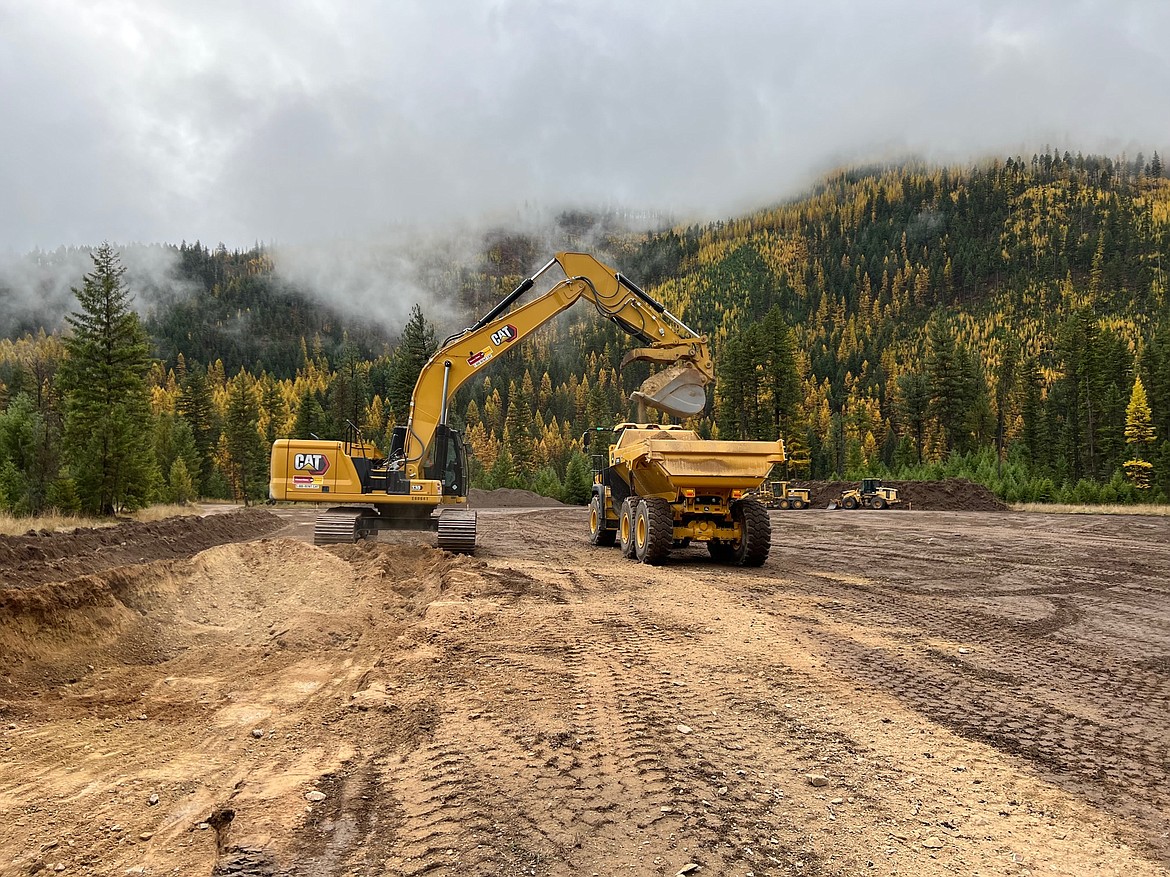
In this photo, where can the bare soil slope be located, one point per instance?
(912, 693)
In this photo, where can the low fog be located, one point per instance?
(334, 132)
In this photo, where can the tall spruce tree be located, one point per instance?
(245, 444)
(416, 346)
(107, 423)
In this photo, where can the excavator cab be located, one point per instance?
(446, 461)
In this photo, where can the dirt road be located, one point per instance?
(892, 693)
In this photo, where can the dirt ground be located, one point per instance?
(892, 693)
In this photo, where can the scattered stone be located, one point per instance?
(146, 835)
(315, 796)
(142, 717)
(684, 729)
(257, 733)
(688, 868)
(817, 779)
(932, 843)
(203, 826)
(965, 651)
(152, 800)
(115, 828)
(837, 801)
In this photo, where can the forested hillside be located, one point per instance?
(1006, 321)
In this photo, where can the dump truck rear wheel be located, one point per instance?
(626, 528)
(599, 534)
(756, 529)
(653, 530)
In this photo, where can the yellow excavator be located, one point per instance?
(421, 484)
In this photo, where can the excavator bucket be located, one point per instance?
(677, 390)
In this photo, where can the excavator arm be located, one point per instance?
(677, 389)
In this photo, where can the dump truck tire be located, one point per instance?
(626, 528)
(653, 530)
(756, 527)
(599, 534)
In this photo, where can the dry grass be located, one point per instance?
(1061, 509)
(13, 526)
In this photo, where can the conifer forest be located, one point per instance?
(1005, 322)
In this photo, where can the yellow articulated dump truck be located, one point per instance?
(656, 488)
(420, 481)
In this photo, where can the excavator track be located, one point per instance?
(457, 530)
(341, 526)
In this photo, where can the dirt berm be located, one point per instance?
(950, 495)
(43, 556)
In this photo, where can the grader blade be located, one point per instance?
(677, 390)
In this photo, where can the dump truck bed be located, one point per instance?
(666, 461)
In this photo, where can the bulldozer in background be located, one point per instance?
(870, 494)
(782, 495)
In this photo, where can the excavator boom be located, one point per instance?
(678, 390)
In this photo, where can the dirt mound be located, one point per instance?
(53, 557)
(950, 495)
(509, 498)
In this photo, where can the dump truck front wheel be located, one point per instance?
(653, 530)
(756, 529)
(599, 534)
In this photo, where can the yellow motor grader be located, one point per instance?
(782, 495)
(421, 483)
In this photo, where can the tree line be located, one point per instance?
(1006, 322)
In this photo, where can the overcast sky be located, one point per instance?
(294, 121)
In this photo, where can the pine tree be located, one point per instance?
(416, 346)
(245, 445)
(107, 426)
(912, 397)
(196, 407)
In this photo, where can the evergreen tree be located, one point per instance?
(245, 445)
(416, 346)
(107, 425)
(578, 485)
(912, 397)
(197, 409)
